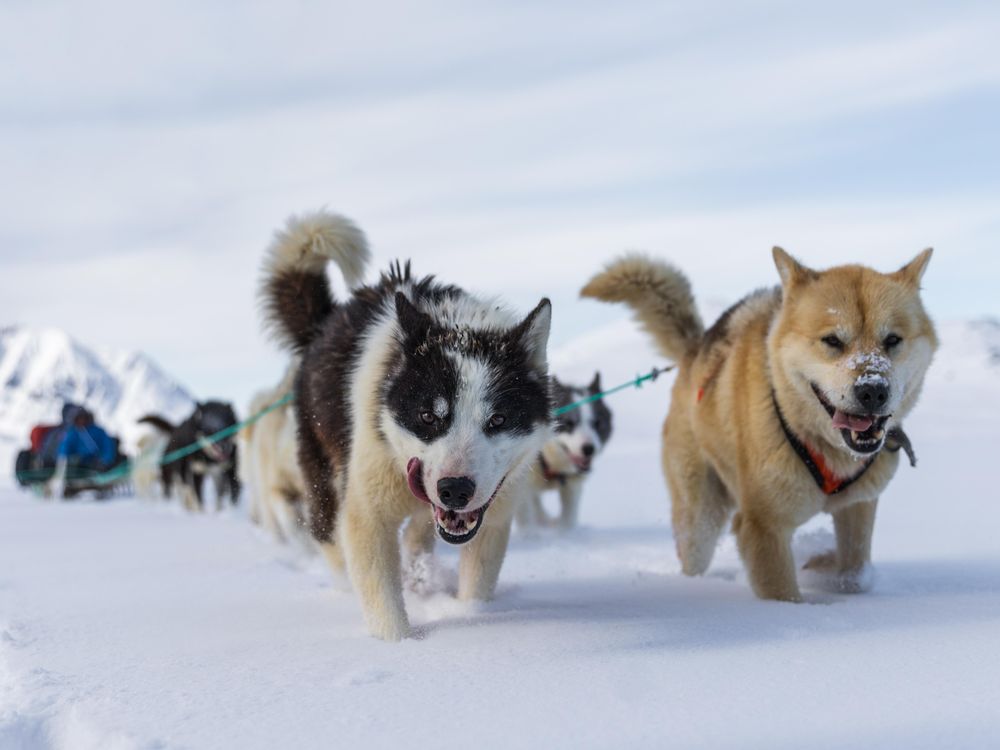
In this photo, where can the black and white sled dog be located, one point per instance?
(414, 400)
(565, 462)
(216, 460)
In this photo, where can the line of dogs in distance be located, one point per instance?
(423, 411)
(270, 464)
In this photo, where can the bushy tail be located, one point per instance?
(158, 422)
(294, 290)
(660, 296)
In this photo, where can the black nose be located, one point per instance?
(455, 492)
(872, 396)
(588, 450)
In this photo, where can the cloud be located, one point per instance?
(151, 149)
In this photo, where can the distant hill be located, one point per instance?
(41, 368)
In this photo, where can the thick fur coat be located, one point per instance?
(270, 467)
(565, 462)
(216, 460)
(414, 400)
(785, 408)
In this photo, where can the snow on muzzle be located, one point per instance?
(453, 526)
(863, 433)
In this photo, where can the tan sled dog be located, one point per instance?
(791, 404)
(271, 469)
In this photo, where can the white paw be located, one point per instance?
(858, 581)
(828, 578)
(392, 630)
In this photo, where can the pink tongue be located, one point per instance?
(414, 478)
(843, 421)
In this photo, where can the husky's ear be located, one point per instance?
(595, 384)
(791, 271)
(411, 320)
(533, 333)
(913, 271)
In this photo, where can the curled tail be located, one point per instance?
(158, 422)
(294, 290)
(659, 295)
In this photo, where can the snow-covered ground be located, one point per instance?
(132, 625)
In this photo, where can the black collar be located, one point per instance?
(825, 479)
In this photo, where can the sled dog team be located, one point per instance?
(418, 403)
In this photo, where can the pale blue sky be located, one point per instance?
(149, 149)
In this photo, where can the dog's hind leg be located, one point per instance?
(269, 513)
(418, 537)
(197, 481)
(700, 504)
(525, 512)
(707, 515)
(167, 477)
(233, 484)
(419, 569)
(480, 560)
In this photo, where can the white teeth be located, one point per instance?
(858, 437)
(459, 524)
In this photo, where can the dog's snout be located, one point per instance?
(456, 492)
(872, 395)
(587, 449)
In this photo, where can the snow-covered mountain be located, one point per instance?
(41, 368)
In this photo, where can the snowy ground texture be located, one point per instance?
(132, 625)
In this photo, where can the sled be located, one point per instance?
(33, 472)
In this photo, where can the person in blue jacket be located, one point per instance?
(85, 444)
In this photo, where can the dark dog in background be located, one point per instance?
(217, 460)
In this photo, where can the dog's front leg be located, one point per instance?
(371, 546)
(569, 500)
(853, 526)
(196, 487)
(481, 559)
(766, 548)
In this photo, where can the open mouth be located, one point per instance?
(212, 450)
(582, 463)
(453, 526)
(863, 433)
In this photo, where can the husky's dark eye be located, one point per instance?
(891, 340)
(833, 342)
(428, 417)
(497, 420)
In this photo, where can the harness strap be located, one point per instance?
(825, 479)
(700, 394)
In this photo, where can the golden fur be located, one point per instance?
(725, 453)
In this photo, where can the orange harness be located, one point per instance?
(827, 481)
(707, 382)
